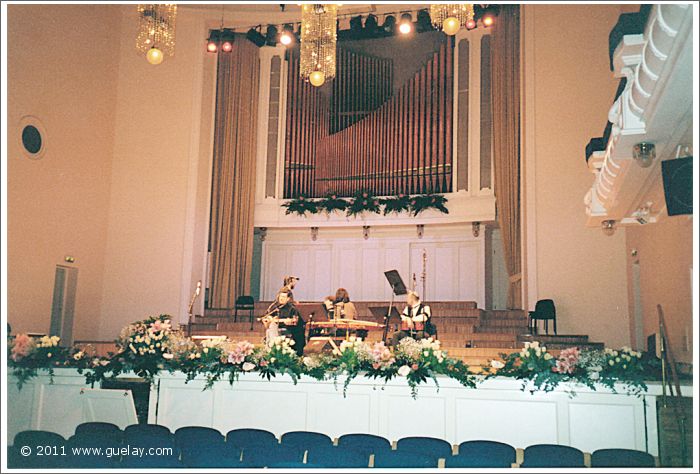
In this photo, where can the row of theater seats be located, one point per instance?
(104, 445)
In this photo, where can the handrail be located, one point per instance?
(668, 359)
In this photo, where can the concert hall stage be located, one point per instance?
(497, 409)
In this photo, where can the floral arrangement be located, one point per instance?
(540, 370)
(363, 201)
(301, 206)
(424, 202)
(279, 358)
(28, 355)
(152, 346)
(145, 347)
(332, 203)
(397, 204)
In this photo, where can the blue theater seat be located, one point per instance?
(263, 456)
(433, 447)
(244, 437)
(217, 455)
(189, 437)
(306, 439)
(337, 457)
(99, 429)
(404, 459)
(552, 455)
(482, 454)
(366, 443)
(621, 458)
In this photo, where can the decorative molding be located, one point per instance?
(653, 107)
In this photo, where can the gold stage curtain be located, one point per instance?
(233, 179)
(505, 78)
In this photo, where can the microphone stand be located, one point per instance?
(388, 314)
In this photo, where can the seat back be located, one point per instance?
(482, 453)
(404, 459)
(191, 437)
(552, 455)
(433, 447)
(38, 438)
(544, 309)
(244, 437)
(263, 456)
(217, 455)
(366, 443)
(145, 429)
(306, 439)
(245, 302)
(107, 431)
(621, 458)
(336, 457)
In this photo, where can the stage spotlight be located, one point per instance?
(406, 24)
(226, 46)
(371, 24)
(356, 26)
(423, 21)
(287, 35)
(271, 35)
(471, 24)
(389, 24)
(255, 37)
(488, 19)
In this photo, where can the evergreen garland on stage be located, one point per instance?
(332, 203)
(423, 202)
(364, 201)
(301, 206)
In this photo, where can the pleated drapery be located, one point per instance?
(505, 76)
(233, 179)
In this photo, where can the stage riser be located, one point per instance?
(497, 409)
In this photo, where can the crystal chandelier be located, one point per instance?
(156, 33)
(450, 17)
(318, 38)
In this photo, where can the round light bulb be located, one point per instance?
(226, 46)
(450, 26)
(405, 28)
(317, 78)
(470, 24)
(487, 20)
(154, 56)
(211, 47)
(286, 39)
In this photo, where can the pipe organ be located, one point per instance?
(355, 134)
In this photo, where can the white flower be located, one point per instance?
(497, 364)
(593, 375)
(78, 355)
(547, 356)
(426, 353)
(205, 350)
(247, 366)
(404, 370)
(167, 356)
(104, 362)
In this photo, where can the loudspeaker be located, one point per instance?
(678, 185)
(317, 345)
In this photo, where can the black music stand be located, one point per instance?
(310, 312)
(397, 288)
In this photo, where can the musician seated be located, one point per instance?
(413, 320)
(285, 319)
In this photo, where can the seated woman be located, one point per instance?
(286, 319)
(413, 319)
(347, 310)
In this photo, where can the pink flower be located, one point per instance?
(566, 363)
(22, 346)
(263, 363)
(235, 357)
(414, 367)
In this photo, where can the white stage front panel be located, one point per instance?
(497, 409)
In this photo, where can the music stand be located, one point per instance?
(397, 288)
(310, 312)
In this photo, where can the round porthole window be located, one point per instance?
(32, 137)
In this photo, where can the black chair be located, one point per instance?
(544, 310)
(244, 303)
(621, 458)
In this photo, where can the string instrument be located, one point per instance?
(271, 317)
(417, 326)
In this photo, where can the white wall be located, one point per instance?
(154, 182)
(568, 89)
(341, 257)
(65, 75)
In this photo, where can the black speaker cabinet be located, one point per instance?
(678, 185)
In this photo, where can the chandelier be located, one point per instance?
(450, 17)
(156, 33)
(318, 38)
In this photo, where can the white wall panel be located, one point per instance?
(342, 258)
